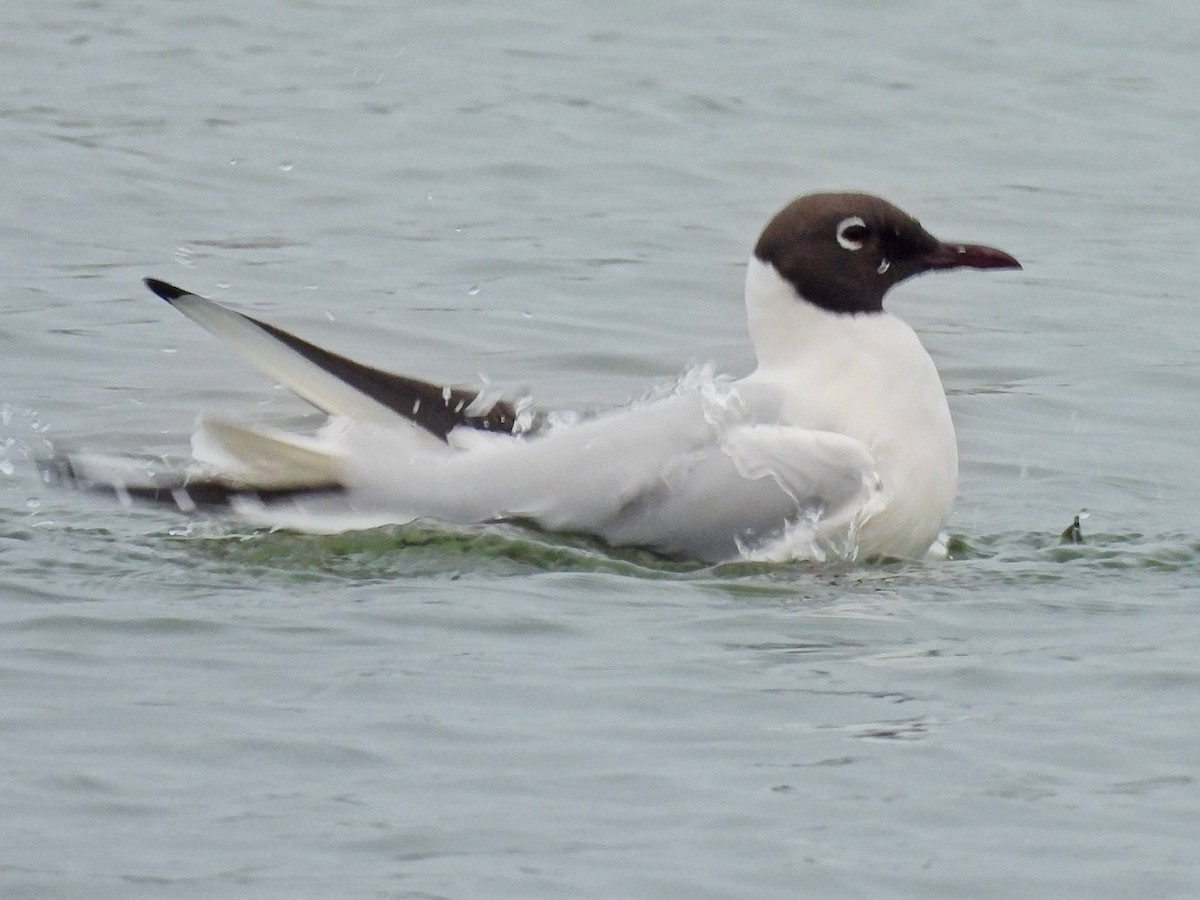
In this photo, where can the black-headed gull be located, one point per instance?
(838, 444)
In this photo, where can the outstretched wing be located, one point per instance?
(670, 476)
(334, 383)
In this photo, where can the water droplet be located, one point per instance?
(329, 316)
(286, 167)
(33, 503)
(473, 290)
(6, 467)
(884, 265)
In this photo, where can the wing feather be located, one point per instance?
(334, 383)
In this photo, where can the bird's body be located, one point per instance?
(839, 443)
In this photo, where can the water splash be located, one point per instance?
(26, 438)
(814, 538)
(526, 414)
(716, 390)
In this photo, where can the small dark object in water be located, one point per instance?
(1073, 534)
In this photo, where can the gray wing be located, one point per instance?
(756, 483)
(674, 476)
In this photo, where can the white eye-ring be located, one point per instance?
(852, 233)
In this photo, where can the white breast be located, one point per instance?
(866, 376)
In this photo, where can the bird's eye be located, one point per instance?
(852, 233)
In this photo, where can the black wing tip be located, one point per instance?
(168, 292)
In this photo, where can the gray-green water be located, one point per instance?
(561, 197)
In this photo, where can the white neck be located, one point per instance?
(783, 325)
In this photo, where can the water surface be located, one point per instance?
(560, 199)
